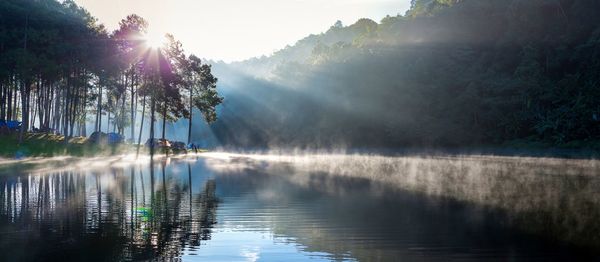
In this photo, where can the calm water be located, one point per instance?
(225, 207)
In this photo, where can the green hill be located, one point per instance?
(447, 73)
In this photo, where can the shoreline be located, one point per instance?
(503, 151)
(63, 163)
(43, 145)
(39, 145)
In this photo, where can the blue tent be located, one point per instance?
(114, 138)
(10, 124)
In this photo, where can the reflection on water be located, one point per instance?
(116, 214)
(224, 207)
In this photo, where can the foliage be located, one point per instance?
(58, 65)
(448, 73)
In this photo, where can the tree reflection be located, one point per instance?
(104, 215)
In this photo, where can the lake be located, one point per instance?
(308, 207)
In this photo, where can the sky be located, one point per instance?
(234, 30)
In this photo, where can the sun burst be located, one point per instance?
(155, 40)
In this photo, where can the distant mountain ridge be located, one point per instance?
(303, 50)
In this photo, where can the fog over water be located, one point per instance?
(407, 137)
(295, 207)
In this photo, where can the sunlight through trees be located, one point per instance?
(61, 69)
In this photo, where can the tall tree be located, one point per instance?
(201, 85)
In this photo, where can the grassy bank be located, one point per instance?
(47, 145)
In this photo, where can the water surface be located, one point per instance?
(228, 207)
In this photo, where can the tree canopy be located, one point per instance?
(447, 73)
(60, 69)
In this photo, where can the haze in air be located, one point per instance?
(299, 130)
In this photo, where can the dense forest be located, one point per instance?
(446, 73)
(62, 71)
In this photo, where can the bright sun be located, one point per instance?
(155, 40)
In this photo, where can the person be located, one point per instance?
(194, 147)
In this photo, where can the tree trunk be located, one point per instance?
(65, 115)
(83, 111)
(123, 98)
(8, 101)
(152, 119)
(141, 127)
(2, 101)
(24, 97)
(57, 107)
(24, 112)
(132, 105)
(108, 122)
(164, 122)
(98, 125)
(191, 116)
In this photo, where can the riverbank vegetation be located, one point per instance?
(53, 145)
(60, 70)
(48, 145)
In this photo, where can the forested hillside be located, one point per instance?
(61, 71)
(447, 73)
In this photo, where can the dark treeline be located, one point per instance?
(447, 73)
(61, 69)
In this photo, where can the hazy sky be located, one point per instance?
(233, 30)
